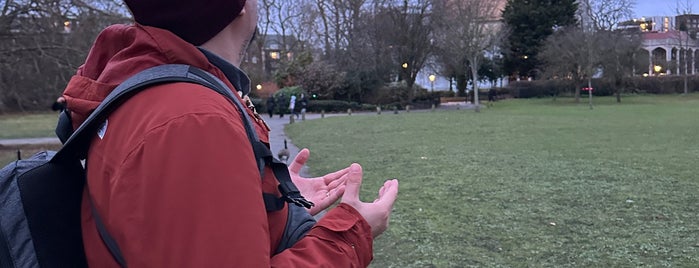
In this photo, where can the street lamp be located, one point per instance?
(259, 87)
(432, 77)
(405, 65)
(657, 68)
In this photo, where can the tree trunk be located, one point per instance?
(474, 73)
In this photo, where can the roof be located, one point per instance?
(663, 35)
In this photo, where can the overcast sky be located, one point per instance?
(650, 8)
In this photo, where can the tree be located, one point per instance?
(530, 22)
(410, 38)
(467, 29)
(567, 55)
(41, 45)
(604, 14)
(322, 80)
(616, 49)
(617, 57)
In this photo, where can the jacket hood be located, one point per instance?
(121, 51)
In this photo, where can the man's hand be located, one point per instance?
(322, 191)
(376, 213)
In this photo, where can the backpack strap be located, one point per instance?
(77, 143)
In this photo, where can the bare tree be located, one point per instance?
(467, 29)
(42, 43)
(565, 57)
(411, 38)
(604, 14)
(617, 56)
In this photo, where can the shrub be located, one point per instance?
(328, 106)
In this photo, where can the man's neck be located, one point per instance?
(228, 46)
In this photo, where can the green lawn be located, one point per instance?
(38, 125)
(528, 183)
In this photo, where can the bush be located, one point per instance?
(534, 89)
(663, 84)
(603, 87)
(328, 106)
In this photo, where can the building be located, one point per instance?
(671, 52)
(689, 23)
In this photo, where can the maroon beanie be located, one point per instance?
(194, 21)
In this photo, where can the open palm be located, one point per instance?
(322, 191)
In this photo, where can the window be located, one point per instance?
(274, 55)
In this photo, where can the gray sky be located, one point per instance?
(650, 8)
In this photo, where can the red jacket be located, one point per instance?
(173, 174)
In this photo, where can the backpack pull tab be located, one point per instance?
(19, 155)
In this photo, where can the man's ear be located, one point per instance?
(242, 11)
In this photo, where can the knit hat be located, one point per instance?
(192, 20)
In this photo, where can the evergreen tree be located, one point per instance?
(530, 22)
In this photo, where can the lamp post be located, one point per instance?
(657, 69)
(432, 77)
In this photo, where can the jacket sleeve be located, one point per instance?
(342, 238)
(195, 200)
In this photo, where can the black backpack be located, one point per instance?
(40, 196)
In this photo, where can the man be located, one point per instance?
(304, 103)
(271, 105)
(292, 106)
(172, 173)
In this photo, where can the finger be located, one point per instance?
(381, 191)
(334, 195)
(341, 181)
(327, 201)
(389, 192)
(299, 161)
(328, 178)
(354, 183)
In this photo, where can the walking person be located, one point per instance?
(271, 104)
(173, 175)
(292, 106)
(304, 103)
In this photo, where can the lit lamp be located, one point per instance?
(657, 68)
(259, 87)
(405, 65)
(432, 77)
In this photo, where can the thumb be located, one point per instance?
(353, 184)
(299, 161)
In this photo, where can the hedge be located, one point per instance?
(603, 87)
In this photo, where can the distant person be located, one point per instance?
(292, 106)
(280, 101)
(271, 104)
(304, 103)
(492, 94)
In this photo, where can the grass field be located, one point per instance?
(528, 183)
(37, 125)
